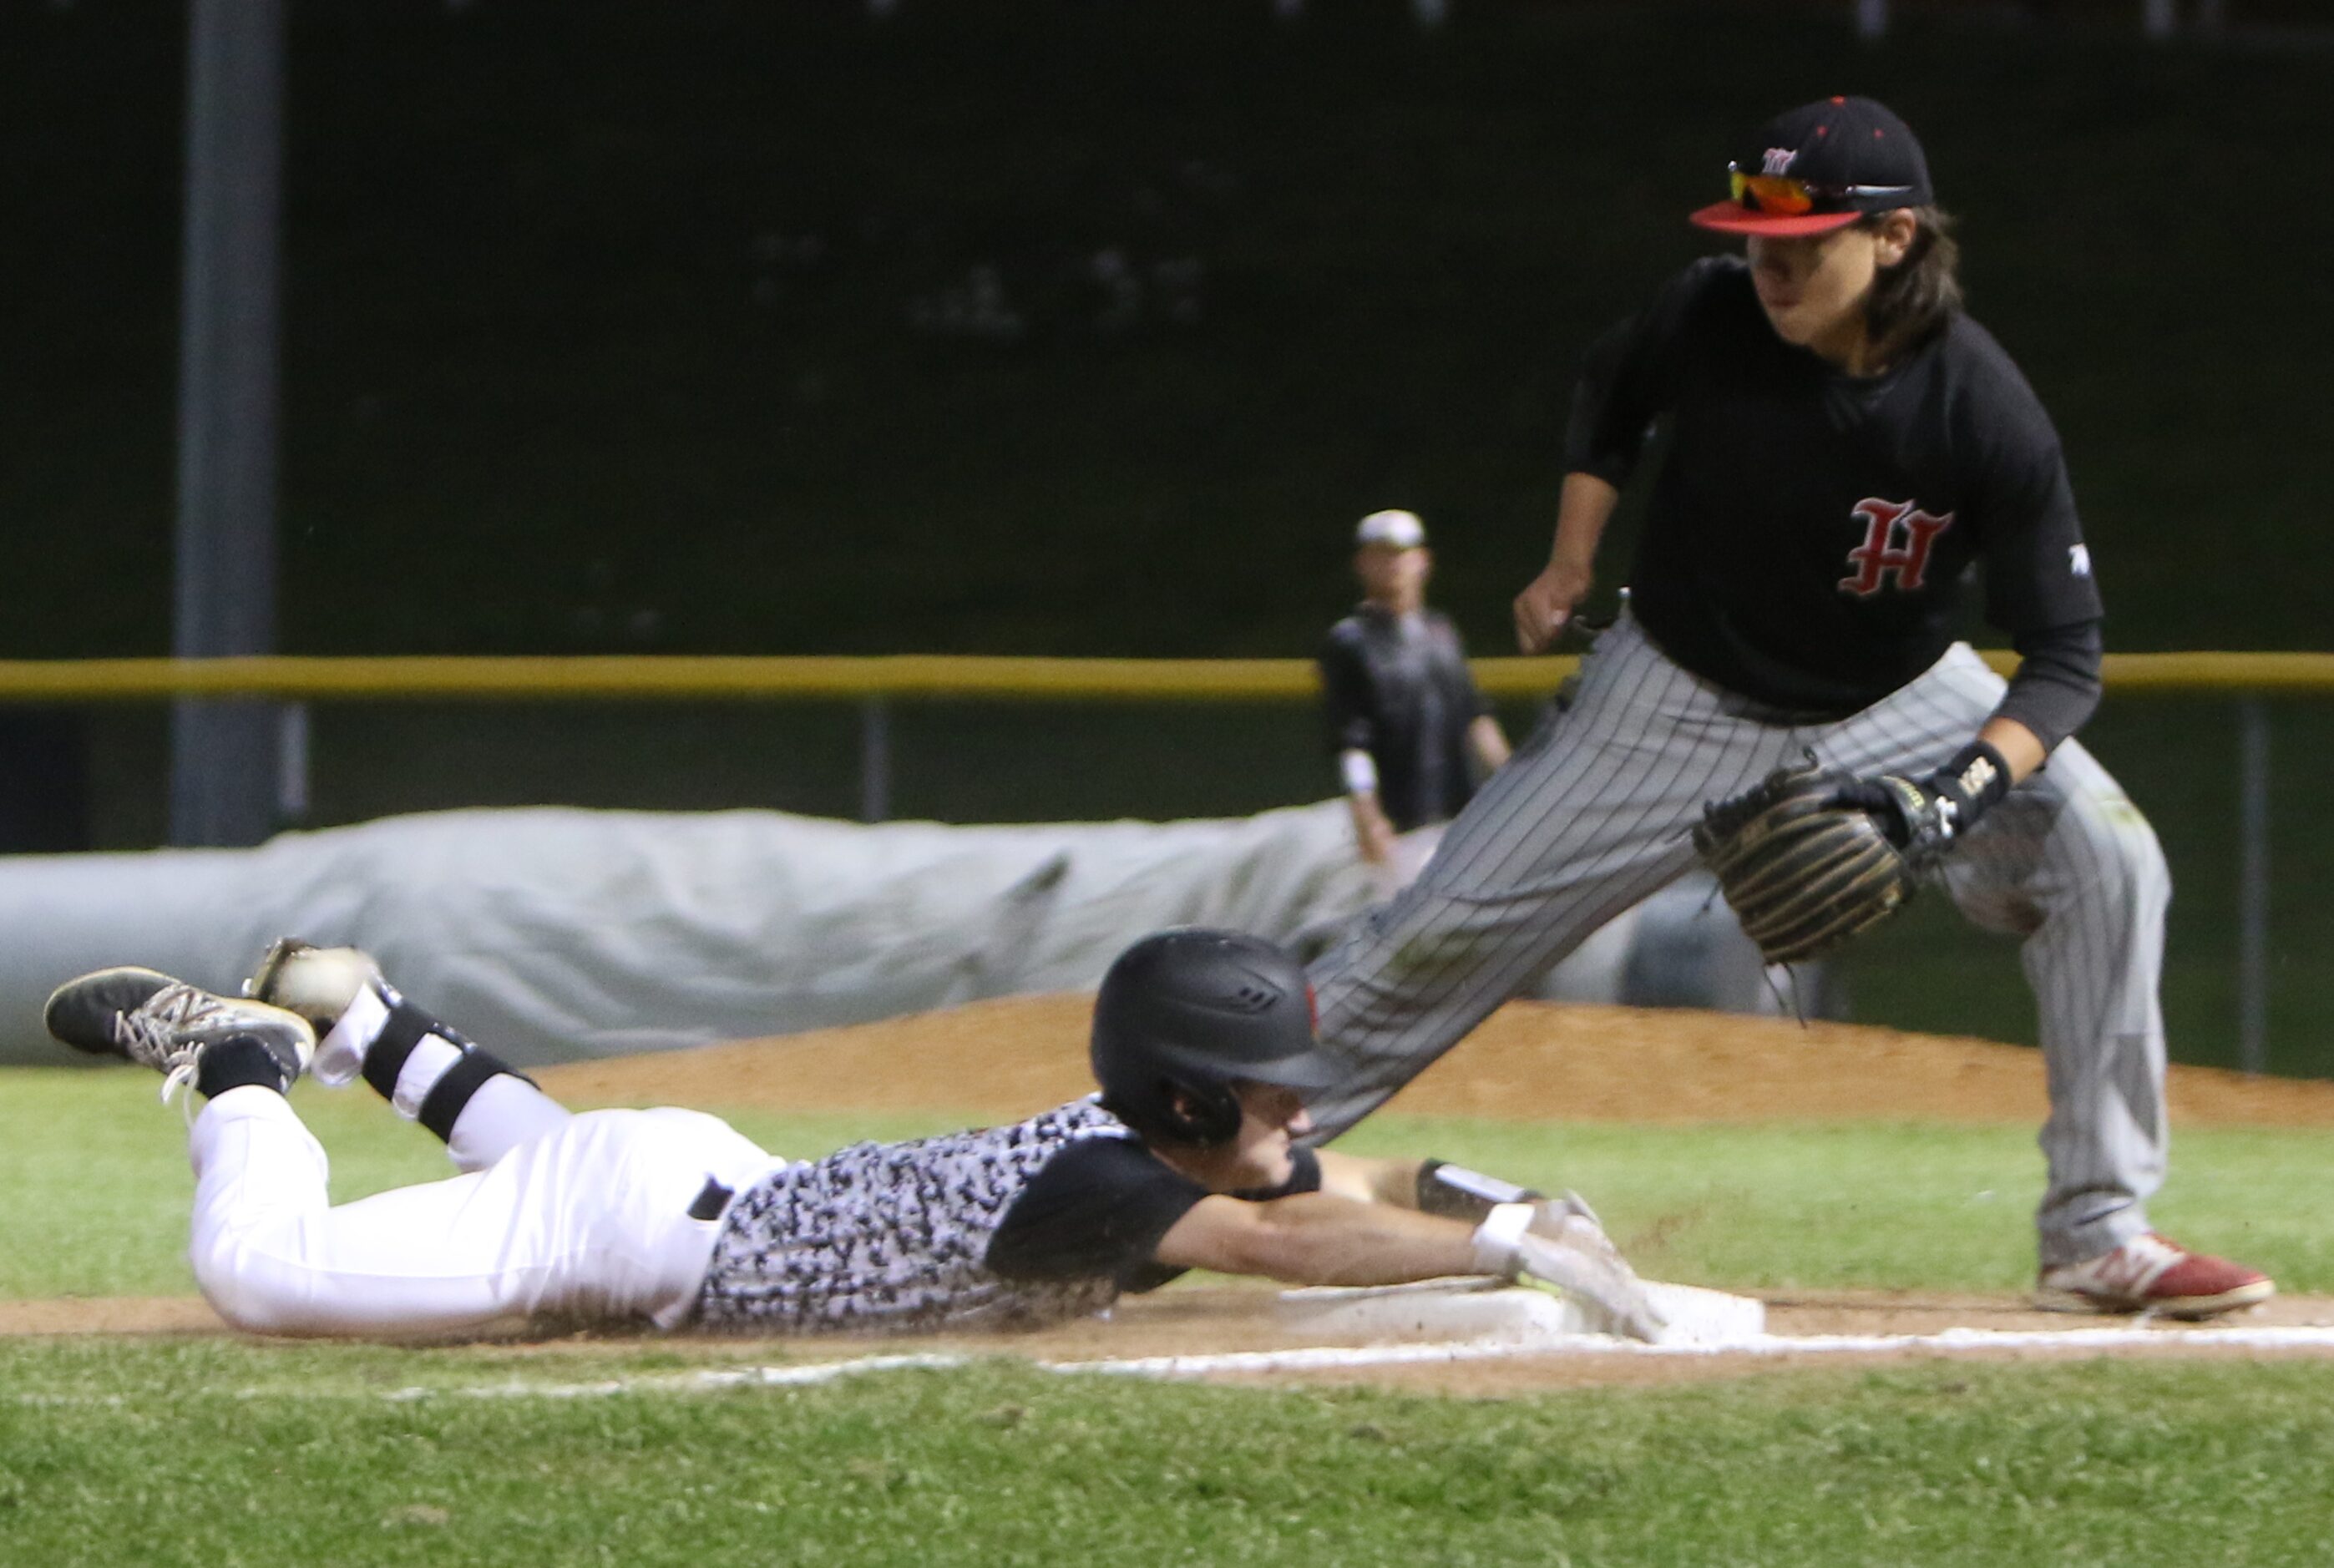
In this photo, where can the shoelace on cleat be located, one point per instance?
(151, 1033)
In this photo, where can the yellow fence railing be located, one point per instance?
(874, 682)
(675, 676)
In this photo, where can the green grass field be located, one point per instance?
(163, 1450)
(217, 1452)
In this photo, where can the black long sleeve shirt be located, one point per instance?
(1810, 533)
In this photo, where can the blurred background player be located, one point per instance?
(1412, 736)
(1203, 1045)
(1845, 448)
(1414, 739)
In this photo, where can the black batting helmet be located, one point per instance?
(1192, 1012)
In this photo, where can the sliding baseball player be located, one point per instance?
(1203, 1047)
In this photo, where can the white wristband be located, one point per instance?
(1498, 1238)
(1360, 773)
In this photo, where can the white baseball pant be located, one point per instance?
(561, 1215)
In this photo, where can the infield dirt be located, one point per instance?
(1529, 1061)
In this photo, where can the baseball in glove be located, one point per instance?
(1803, 862)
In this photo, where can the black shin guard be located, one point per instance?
(442, 1102)
(448, 1097)
(407, 1027)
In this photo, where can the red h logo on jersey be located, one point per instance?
(1881, 551)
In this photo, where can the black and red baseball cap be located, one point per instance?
(1819, 168)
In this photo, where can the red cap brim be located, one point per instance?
(1734, 217)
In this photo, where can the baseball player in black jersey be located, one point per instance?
(1203, 1045)
(1845, 450)
(1411, 732)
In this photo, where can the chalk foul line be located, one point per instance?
(1956, 1342)
(1318, 1357)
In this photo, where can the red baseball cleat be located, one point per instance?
(2149, 1273)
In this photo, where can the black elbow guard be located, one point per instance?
(1458, 1193)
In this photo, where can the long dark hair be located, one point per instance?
(1910, 302)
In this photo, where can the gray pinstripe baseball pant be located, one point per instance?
(1593, 813)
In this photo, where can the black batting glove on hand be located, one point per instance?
(1923, 817)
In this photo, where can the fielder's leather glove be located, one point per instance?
(1811, 857)
(1804, 863)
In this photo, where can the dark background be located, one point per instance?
(1089, 329)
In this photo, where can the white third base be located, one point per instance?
(1485, 1310)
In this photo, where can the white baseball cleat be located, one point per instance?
(320, 984)
(317, 982)
(145, 1017)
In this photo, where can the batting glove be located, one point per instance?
(1923, 817)
(1550, 1243)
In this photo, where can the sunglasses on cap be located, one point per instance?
(1787, 197)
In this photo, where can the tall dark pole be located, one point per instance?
(224, 755)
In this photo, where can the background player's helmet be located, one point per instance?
(1192, 1012)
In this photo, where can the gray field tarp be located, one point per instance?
(553, 934)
